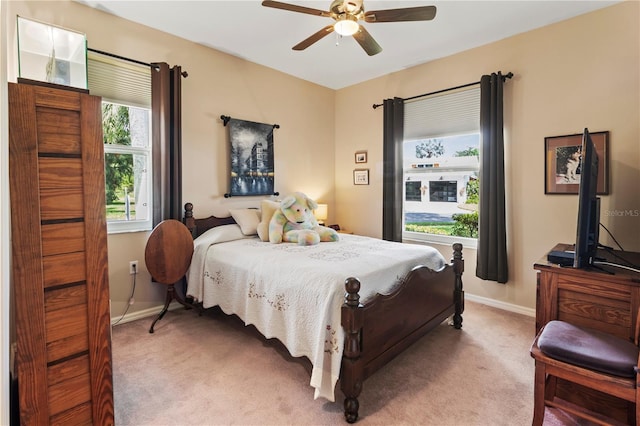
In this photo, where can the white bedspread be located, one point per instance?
(295, 293)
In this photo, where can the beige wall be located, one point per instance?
(579, 73)
(218, 84)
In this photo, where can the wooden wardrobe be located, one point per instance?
(59, 252)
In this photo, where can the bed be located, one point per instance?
(349, 306)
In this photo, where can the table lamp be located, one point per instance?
(321, 213)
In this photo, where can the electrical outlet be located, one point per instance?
(133, 267)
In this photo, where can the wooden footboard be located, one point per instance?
(378, 331)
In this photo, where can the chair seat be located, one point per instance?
(589, 348)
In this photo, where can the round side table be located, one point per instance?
(168, 255)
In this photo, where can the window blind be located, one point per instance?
(117, 80)
(443, 114)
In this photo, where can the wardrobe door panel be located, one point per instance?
(80, 414)
(60, 173)
(58, 238)
(64, 269)
(65, 297)
(70, 393)
(60, 204)
(59, 249)
(62, 371)
(70, 346)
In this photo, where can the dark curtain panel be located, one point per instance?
(492, 235)
(166, 94)
(392, 169)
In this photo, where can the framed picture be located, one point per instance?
(361, 157)
(562, 163)
(251, 158)
(361, 177)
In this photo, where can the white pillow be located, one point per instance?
(267, 208)
(220, 234)
(248, 220)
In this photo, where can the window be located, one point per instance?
(412, 191)
(443, 191)
(127, 153)
(126, 119)
(441, 165)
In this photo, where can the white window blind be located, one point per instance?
(443, 114)
(118, 80)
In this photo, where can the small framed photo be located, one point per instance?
(361, 157)
(563, 161)
(361, 177)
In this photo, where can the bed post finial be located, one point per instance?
(352, 298)
(458, 268)
(188, 219)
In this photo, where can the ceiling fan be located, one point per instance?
(347, 13)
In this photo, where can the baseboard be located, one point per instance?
(473, 298)
(501, 305)
(144, 313)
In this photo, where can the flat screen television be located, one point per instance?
(588, 206)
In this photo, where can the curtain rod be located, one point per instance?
(504, 77)
(113, 55)
(135, 61)
(225, 119)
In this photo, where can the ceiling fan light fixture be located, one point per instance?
(346, 26)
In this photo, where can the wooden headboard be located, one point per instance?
(199, 226)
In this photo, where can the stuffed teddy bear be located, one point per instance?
(294, 222)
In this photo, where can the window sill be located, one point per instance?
(126, 228)
(418, 237)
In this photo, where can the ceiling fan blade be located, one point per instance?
(420, 13)
(315, 37)
(295, 8)
(367, 42)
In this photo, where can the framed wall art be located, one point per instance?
(361, 177)
(361, 157)
(562, 163)
(251, 157)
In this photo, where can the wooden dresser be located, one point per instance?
(606, 300)
(59, 251)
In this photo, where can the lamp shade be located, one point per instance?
(321, 213)
(346, 26)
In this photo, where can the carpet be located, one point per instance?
(213, 370)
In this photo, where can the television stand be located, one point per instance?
(601, 269)
(593, 298)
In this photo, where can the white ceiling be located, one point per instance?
(246, 29)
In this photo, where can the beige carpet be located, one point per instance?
(212, 370)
